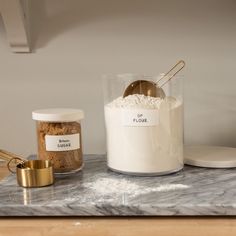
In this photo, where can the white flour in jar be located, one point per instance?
(144, 134)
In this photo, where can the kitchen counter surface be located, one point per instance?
(97, 191)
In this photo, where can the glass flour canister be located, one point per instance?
(59, 138)
(144, 134)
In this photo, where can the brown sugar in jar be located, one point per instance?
(59, 138)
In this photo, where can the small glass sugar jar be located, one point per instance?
(59, 138)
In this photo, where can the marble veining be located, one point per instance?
(97, 191)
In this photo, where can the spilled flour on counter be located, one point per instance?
(106, 186)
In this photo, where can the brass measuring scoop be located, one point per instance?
(29, 173)
(150, 88)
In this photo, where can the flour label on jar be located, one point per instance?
(62, 142)
(140, 117)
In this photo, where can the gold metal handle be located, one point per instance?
(9, 162)
(172, 72)
(9, 157)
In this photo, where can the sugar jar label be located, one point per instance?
(140, 117)
(62, 142)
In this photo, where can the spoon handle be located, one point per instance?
(7, 156)
(172, 72)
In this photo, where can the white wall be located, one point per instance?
(77, 41)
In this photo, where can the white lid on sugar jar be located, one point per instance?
(58, 115)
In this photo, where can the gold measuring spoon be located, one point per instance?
(30, 173)
(150, 88)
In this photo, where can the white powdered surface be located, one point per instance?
(136, 101)
(105, 186)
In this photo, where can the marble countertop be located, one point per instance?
(96, 191)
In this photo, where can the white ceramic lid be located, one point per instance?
(58, 115)
(210, 156)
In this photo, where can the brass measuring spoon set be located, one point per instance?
(29, 173)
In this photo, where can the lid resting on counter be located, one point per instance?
(210, 156)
